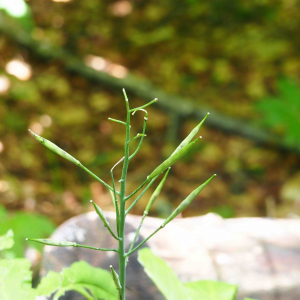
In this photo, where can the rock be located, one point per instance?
(261, 255)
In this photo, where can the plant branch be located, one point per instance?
(139, 188)
(142, 134)
(140, 196)
(143, 106)
(96, 177)
(143, 242)
(50, 242)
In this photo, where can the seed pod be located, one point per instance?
(190, 136)
(55, 148)
(115, 277)
(156, 192)
(100, 214)
(187, 201)
(171, 160)
(53, 243)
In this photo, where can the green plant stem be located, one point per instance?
(140, 196)
(143, 242)
(138, 231)
(117, 121)
(96, 177)
(73, 245)
(115, 199)
(139, 188)
(143, 134)
(143, 106)
(121, 252)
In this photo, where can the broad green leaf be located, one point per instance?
(49, 284)
(15, 280)
(7, 240)
(93, 283)
(211, 290)
(163, 276)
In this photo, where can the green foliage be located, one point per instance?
(24, 225)
(281, 112)
(15, 280)
(93, 283)
(173, 289)
(15, 275)
(7, 240)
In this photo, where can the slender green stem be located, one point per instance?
(140, 196)
(94, 248)
(136, 137)
(117, 121)
(143, 242)
(122, 258)
(138, 231)
(142, 136)
(96, 177)
(139, 188)
(68, 244)
(115, 199)
(143, 106)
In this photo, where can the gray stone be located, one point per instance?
(261, 255)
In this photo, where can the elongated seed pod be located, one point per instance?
(55, 148)
(156, 192)
(115, 277)
(187, 201)
(172, 159)
(54, 243)
(190, 136)
(100, 214)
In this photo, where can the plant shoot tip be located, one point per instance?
(208, 113)
(200, 136)
(26, 239)
(215, 174)
(91, 201)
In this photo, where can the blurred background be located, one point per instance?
(63, 65)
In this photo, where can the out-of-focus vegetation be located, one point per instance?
(226, 55)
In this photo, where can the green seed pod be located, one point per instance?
(100, 213)
(187, 201)
(53, 243)
(115, 277)
(192, 134)
(156, 192)
(172, 159)
(55, 148)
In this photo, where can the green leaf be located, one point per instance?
(49, 284)
(7, 240)
(15, 280)
(163, 276)
(211, 290)
(93, 283)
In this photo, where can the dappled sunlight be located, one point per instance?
(19, 69)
